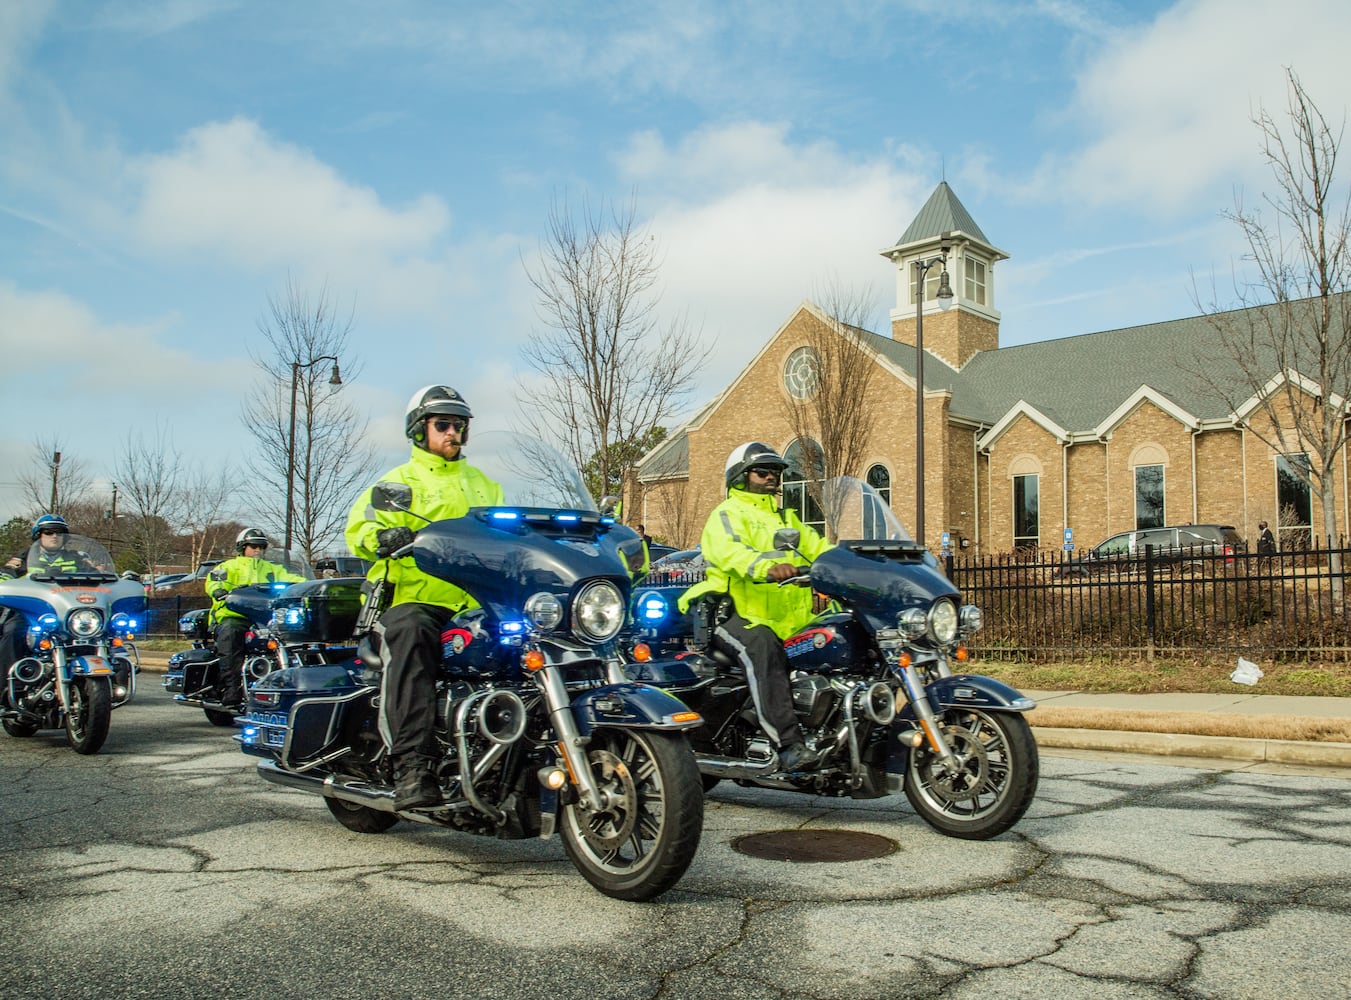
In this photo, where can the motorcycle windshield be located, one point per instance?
(70, 559)
(547, 537)
(853, 509)
(876, 568)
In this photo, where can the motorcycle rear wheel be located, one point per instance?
(87, 716)
(219, 718)
(359, 818)
(640, 845)
(996, 781)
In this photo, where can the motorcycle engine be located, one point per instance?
(813, 700)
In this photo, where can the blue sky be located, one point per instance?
(165, 165)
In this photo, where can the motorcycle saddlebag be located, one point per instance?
(318, 610)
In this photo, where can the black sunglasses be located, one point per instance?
(766, 470)
(51, 531)
(443, 424)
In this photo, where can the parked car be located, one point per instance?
(342, 566)
(1172, 546)
(655, 551)
(166, 580)
(685, 566)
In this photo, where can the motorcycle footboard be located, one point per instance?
(315, 726)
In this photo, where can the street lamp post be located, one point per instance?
(944, 295)
(336, 379)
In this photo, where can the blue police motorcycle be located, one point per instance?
(538, 731)
(79, 660)
(872, 681)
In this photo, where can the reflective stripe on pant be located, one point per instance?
(412, 655)
(760, 653)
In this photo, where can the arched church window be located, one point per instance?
(803, 472)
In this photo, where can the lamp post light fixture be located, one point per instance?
(944, 296)
(336, 379)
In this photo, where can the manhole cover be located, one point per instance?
(814, 845)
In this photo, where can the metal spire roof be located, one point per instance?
(942, 213)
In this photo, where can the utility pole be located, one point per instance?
(56, 470)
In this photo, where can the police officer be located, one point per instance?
(49, 555)
(444, 486)
(246, 568)
(738, 548)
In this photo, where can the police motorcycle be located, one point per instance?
(81, 620)
(193, 676)
(872, 678)
(538, 730)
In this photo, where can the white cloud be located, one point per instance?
(20, 23)
(750, 224)
(1171, 103)
(233, 191)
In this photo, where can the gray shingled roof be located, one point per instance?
(942, 213)
(1076, 381)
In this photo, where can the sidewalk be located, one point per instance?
(1224, 747)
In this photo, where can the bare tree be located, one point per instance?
(612, 369)
(206, 495)
(1290, 342)
(835, 408)
(53, 476)
(674, 510)
(331, 456)
(149, 487)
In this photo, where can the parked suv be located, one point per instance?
(1172, 545)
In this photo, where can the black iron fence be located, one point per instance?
(1042, 605)
(162, 614)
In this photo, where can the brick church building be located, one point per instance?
(1098, 433)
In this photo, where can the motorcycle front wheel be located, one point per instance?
(640, 844)
(87, 716)
(993, 784)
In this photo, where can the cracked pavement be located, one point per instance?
(163, 867)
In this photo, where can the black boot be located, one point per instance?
(415, 786)
(797, 757)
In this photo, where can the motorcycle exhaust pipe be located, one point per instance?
(360, 793)
(29, 670)
(735, 767)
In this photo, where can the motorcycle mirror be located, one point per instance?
(787, 538)
(608, 504)
(392, 496)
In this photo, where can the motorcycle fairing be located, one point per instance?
(639, 706)
(958, 691)
(880, 579)
(502, 555)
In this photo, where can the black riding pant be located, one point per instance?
(230, 649)
(412, 655)
(760, 653)
(13, 647)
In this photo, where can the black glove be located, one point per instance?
(392, 539)
(219, 594)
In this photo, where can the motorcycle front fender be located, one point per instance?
(633, 706)
(974, 691)
(959, 691)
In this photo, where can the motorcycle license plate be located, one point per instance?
(274, 737)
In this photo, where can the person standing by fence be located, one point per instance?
(1266, 546)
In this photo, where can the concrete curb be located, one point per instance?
(1182, 745)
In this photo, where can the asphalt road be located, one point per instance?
(164, 867)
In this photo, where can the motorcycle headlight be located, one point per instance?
(598, 612)
(943, 621)
(544, 610)
(85, 623)
(912, 623)
(970, 619)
